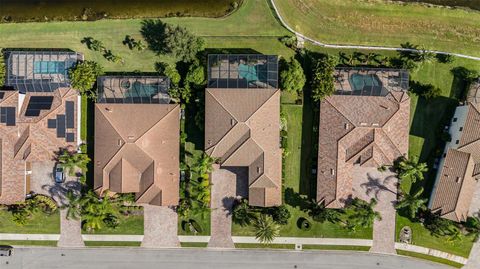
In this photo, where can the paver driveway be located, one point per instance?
(370, 183)
(225, 188)
(160, 227)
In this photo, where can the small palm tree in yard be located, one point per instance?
(412, 203)
(362, 213)
(411, 169)
(71, 161)
(266, 230)
(242, 213)
(204, 165)
(73, 205)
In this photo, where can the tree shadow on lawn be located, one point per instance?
(430, 117)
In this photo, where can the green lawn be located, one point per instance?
(380, 23)
(270, 246)
(430, 258)
(253, 19)
(40, 223)
(29, 243)
(335, 247)
(128, 225)
(111, 244)
(193, 245)
(422, 237)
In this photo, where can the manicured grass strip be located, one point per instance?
(272, 246)
(430, 258)
(84, 117)
(40, 223)
(335, 247)
(193, 245)
(29, 243)
(112, 244)
(132, 224)
(383, 23)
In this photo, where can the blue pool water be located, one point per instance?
(49, 67)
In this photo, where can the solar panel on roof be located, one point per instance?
(11, 116)
(70, 108)
(52, 123)
(60, 125)
(70, 137)
(38, 103)
(3, 114)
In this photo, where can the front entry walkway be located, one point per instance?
(223, 196)
(160, 227)
(370, 183)
(70, 231)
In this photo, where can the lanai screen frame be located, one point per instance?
(233, 80)
(48, 82)
(401, 82)
(163, 86)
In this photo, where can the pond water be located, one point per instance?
(46, 10)
(473, 4)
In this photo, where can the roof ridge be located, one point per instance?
(268, 99)
(389, 140)
(220, 103)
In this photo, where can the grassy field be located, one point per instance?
(40, 223)
(253, 19)
(430, 258)
(380, 23)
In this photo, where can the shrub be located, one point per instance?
(445, 58)
(303, 224)
(169, 71)
(289, 41)
(242, 214)
(323, 80)
(195, 76)
(292, 78)
(280, 214)
(46, 202)
(83, 76)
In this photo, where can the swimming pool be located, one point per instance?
(369, 84)
(49, 67)
(252, 72)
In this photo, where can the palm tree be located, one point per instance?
(319, 213)
(265, 229)
(73, 206)
(362, 213)
(95, 210)
(411, 169)
(72, 161)
(204, 165)
(412, 203)
(242, 213)
(473, 227)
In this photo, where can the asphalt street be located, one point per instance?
(131, 258)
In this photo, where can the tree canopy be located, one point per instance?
(292, 78)
(323, 84)
(175, 41)
(84, 75)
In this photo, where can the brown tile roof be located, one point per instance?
(455, 183)
(242, 129)
(30, 139)
(369, 131)
(473, 96)
(455, 187)
(137, 148)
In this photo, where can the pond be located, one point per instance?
(473, 4)
(57, 10)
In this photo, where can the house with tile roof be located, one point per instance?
(38, 116)
(364, 124)
(242, 122)
(459, 168)
(137, 139)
